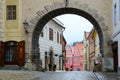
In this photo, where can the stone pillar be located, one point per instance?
(36, 58)
(59, 63)
(51, 64)
(107, 61)
(46, 61)
(28, 53)
(1, 18)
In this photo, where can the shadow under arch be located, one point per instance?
(57, 12)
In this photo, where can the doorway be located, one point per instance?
(115, 55)
(11, 53)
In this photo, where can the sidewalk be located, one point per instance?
(107, 75)
(18, 75)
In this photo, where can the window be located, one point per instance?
(60, 39)
(57, 37)
(81, 64)
(81, 56)
(51, 34)
(115, 14)
(76, 58)
(11, 12)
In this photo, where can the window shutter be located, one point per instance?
(2, 53)
(21, 53)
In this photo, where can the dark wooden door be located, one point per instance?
(1, 53)
(21, 53)
(115, 55)
(11, 53)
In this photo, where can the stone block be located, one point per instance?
(59, 4)
(107, 64)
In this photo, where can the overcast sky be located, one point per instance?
(74, 27)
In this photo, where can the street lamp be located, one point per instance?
(26, 25)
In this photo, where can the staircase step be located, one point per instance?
(10, 67)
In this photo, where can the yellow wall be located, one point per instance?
(13, 28)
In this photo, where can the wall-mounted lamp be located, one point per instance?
(26, 25)
(110, 42)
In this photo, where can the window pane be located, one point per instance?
(11, 12)
(57, 37)
(50, 34)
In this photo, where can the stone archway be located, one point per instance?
(49, 12)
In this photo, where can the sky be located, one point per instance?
(74, 27)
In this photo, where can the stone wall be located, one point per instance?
(1, 20)
(102, 14)
(100, 10)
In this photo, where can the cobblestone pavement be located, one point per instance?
(58, 75)
(69, 75)
(107, 76)
(18, 75)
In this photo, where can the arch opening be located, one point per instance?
(41, 23)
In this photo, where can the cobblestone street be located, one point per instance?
(58, 75)
(70, 75)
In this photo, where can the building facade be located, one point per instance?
(63, 57)
(13, 40)
(98, 56)
(69, 58)
(78, 57)
(115, 41)
(94, 51)
(74, 57)
(50, 45)
(23, 21)
(91, 49)
(85, 51)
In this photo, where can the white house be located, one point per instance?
(50, 44)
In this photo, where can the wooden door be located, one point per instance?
(11, 53)
(1, 53)
(115, 55)
(21, 53)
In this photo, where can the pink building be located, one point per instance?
(69, 54)
(78, 56)
(74, 57)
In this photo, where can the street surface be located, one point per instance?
(57, 75)
(68, 75)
